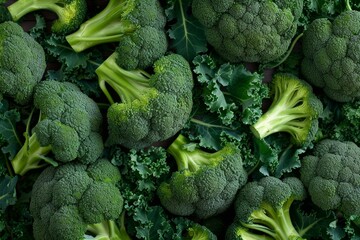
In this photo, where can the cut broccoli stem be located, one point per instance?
(276, 223)
(129, 85)
(20, 8)
(110, 25)
(287, 113)
(247, 235)
(30, 156)
(191, 160)
(108, 230)
(348, 6)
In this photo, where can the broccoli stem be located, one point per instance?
(276, 223)
(30, 156)
(287, 113)
(110, 25)
(108, 230)
(191, 160)
(348, 6)
(129, 85)
(20, 8)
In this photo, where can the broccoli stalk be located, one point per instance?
(31, 155)
(294, 110)
(129, 85)
(108, 230)
(277, 222)
(263, 209)
(70, 13)
(110, 25)
(193, 160)
(205, 183)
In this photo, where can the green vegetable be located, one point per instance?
(331, 55)
(249, 31)
(22, 63)
(72, 200)
(153, 107)
(205, 183)
(331, 175)
(138, 26)
(294, 109)
(70, 13)
(263, 210)
(69, 127)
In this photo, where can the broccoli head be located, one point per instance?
(332, 175)
(205, 183)
(247, 30)
(70, 13)
(138, 26)
(74, 199)
(153, 107)
(22, 63)
(263, 209)
(69, 127)
(294, 110)
(331, 58)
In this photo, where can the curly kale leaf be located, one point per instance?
(230, 91)
(186, 33)
(8, 134)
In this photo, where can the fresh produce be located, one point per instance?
(179, 120)
(70, 13)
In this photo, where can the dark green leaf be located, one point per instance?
(7, 192)
(186, 33)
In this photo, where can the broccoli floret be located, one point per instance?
(331, 58)
(68, 202)
(294, 109)
(331, 174)
(248, 30)
(70, 13)
(153, 107)
(69, 127)
(22, 63)
(205, 183)
(263, 209)
(138, 26)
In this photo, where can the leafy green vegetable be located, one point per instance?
(186, 33)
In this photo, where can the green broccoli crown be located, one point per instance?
(331, 174)
(153, 107)
(69, 127)
(294, 109)
(74, 199)
(22, 63)
(263, 207)
(330, 56)
(138, 26)
(250, 31)
(70, 13)
(205, 183)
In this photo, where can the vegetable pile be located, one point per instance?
(179, 119)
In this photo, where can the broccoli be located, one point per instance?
(294, 109)
(70, 13)
(74, 199)
(69, 127)
(331, 175)
(198, 232)
(138, 26)
(22, 63)
(263, 209)
(205, 183)
(331, 58)
(247, 30)
(153, 107)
